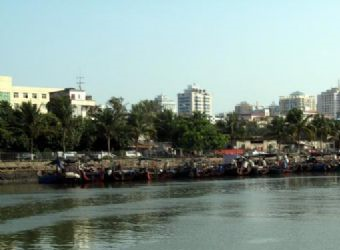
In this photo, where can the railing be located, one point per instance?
(89, 155)
(25, 156)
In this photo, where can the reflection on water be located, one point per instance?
(264, 213)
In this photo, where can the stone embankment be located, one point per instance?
(26, 171)
(21, 171)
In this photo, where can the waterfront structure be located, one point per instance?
(259, 145)
(80, 102)
(194, 99)
(166, 103)
(16, 95)
(328, 103)
(297, 100)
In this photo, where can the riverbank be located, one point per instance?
(26, 171)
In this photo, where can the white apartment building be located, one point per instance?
(297, 100)
(16, 95)
(329, 103)
(194, 99)
(166, 103)
(80, 102)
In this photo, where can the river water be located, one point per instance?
(252, 213)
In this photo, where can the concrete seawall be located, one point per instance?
(26, 171)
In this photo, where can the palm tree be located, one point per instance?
(278, 129)
(111, 120)
(298, 125)
(322, 128)
(62, 108)
(30, 118)
(235, 127)
(142, 118)
(335, 132)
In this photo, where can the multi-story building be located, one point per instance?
(194, 99)
(274, 109)
(219, 117)
(297, 100)
(16, 95)
(244, 109)
(249, 112)
(329, 103)
(166, 103)
(80, 102)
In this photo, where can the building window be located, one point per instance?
(34, 95)
(43, 96)
(25, 95)
(73, 97)
(16, 95)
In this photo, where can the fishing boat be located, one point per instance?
(59, 178)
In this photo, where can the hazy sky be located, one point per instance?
(241, 50)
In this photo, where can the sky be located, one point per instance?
(238, 50)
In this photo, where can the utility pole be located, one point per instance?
(80, 81)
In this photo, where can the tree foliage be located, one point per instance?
(113, 127)
(196, 133)
(111, 120)
(142, 120)
(61, 107)
(31, 123)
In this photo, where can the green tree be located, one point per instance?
(61, 107)
(335, 132)
(299, 125)
(277, 129)
(164, 125)
(142, 120)
(197, 134)
(234, 127)
(111, 120)
(6, 120)
(49, 135)
(322, 128)
(89, 135)
(31, 122)
(75, 133)
(252, 129)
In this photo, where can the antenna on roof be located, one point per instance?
(80, 81)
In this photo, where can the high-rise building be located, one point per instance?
(194, 99)
(297, 100)
(329, 103)
(166, 103)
